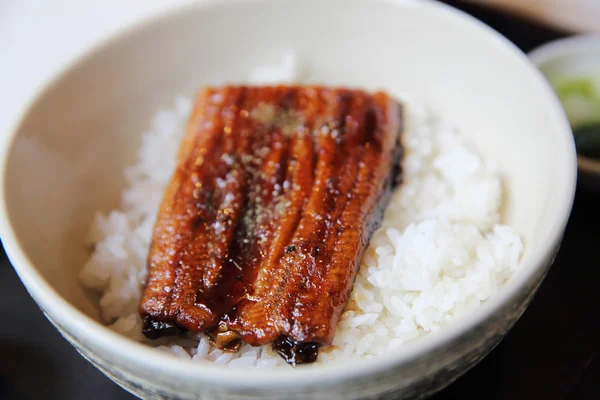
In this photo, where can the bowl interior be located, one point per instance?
(70, 149)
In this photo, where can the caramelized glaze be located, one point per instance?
(262, 228)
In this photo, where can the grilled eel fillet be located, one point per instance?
(262, 228)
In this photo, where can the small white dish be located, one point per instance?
(574, 56)
(64, 160)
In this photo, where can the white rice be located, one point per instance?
(440, 253)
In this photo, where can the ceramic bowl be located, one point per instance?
(65, 157)
(574, 56)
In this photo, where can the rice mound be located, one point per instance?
(441, 250)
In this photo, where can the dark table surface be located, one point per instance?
(552, 352)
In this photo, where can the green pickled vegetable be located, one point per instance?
(580, 97)
(583, 87)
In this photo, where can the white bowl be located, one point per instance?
(575, 54)
(64, 160)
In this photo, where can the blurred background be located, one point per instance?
(566, 15)
(553, 351)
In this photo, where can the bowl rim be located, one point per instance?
(90, 331)
(571, 46)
